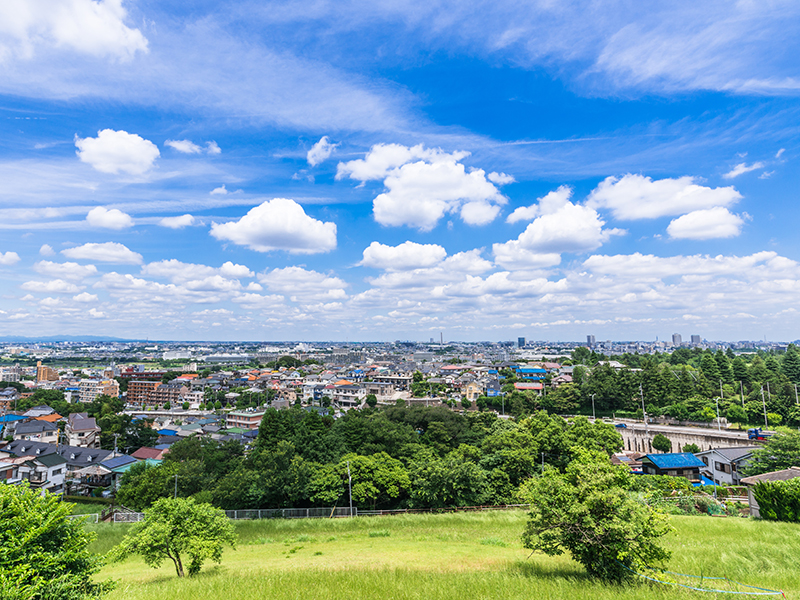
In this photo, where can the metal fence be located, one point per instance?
(90, 518)
(329, 512)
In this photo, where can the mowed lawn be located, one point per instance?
(463, 556)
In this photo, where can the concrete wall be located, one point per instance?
(636, 438)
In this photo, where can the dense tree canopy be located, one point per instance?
(43, 554)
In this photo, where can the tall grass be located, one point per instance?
(454, 556)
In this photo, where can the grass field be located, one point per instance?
(465, 556)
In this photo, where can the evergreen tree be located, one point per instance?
(725, 371)
(791, 364)
(708, 365)
(740, 370)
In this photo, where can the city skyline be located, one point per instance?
(372, 172)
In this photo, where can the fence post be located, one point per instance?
(308, 513)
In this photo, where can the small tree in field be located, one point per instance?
(43, 554)
(662, 443)
(181, 530)
(587, 512)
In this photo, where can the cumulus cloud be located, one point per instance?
(9, 258)
(181, 272)
(117, 152)
(90, 27)
(637, 197)
(320, 151)
(298, 282)
(110, 252)
(219, 191)
(422, 185)
(278, 224)
(177, 222)
(67, 270)
(85, 297)
(109, 218)
(706, 224)
(559, 226)
(743, 168)
(500, 178)
(408, 255)
(55, 286)
(529, 213)
(46, 250)
(213, 148)
(511, 255)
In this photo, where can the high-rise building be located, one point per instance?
(676, 339)
(590, 340)
(45, 373)
(521, 342)
(695, 340)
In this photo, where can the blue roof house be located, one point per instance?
(676, 464)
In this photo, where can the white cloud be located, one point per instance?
(55, 286)
(420, 193)
(743, 168)
(67, 270)
(780, 152)
(46, 250)
(500, 178)
(50, 302)
(189, 147)
(181, 272)
(89, 27)
(408, 255)
(511, 255)
(706, 225)
(9, 258)
(184, 146)
(109, 218)
(117, 151)
(560, 226)
(299, 282)
(96, 313)
(278, 224)
(219, 191)
(384, 158)
(320, 151)
(637, 197)
(177, 222)
(85, 297)
(111, 252)
(553, 199)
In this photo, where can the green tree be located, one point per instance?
(709, 367)
(181, 530)
(372, 400)
(780, 451)
(661, 443)
(693, 448)
(587, 512)
(44, 554)
(791, 364)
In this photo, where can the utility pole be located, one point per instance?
(594, 418)
(644, 412)
(766, 424)
(176, 486)
(719, 427)
(741, 388)
(350, 487)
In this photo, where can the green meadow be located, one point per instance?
(464, 556)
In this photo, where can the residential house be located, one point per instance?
(244, 419)
(45, 473)
(82, 431)
(677, 464)
(37, 431)
(723, 465)
(90, 389)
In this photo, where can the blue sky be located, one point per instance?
(378, 170)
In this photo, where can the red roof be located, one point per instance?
(145, 453)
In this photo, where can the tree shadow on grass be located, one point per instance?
(535, 570)
(206, 573)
